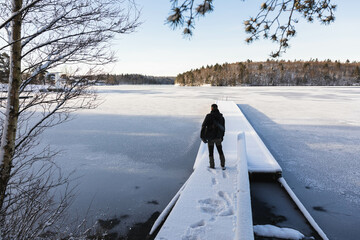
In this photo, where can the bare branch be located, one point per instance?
(45, 34)
(23, 9)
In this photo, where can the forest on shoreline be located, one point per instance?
(274, 73)
(119, 79)
(247, 73)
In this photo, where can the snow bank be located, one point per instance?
(273, 231)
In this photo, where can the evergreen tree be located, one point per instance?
(274, 73)
(275, 21)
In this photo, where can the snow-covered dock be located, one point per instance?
(215, 204)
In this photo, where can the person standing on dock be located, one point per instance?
(212, 133)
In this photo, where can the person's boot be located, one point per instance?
(212, 163)
(222, 161)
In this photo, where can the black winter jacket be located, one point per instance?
(210, 129)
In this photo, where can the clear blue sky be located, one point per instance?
(156, 49)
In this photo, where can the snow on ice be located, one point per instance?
(274, 231)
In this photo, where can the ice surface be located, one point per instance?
(144, 139)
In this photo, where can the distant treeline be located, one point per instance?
(275, 73)
(111, 79)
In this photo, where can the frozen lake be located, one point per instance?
(138, 147)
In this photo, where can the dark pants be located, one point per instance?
(211, 144)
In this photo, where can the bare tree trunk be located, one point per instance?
(12, 109)
(43, 35)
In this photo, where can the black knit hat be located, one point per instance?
(214, 106)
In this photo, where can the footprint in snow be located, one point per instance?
(214, 181)
(211, 206)
(229, 210)
(201, 223)
(217, 207)
(195, 231)
(226, 197)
